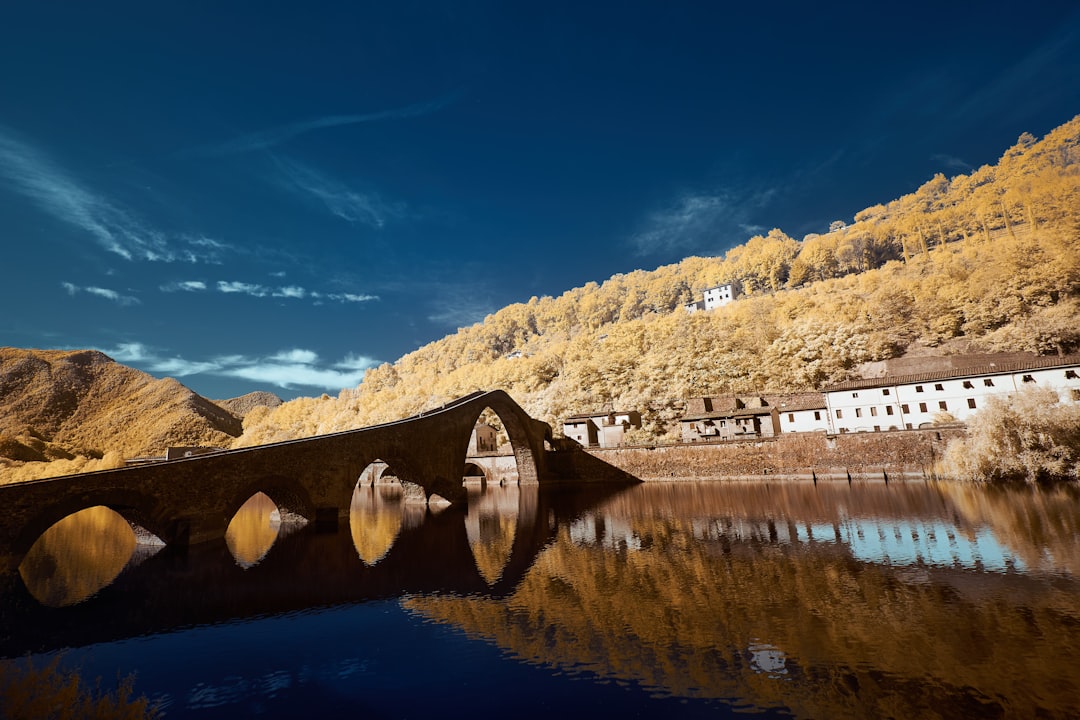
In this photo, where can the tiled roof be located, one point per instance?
(589, 416)
(725, 407)
(1003, 368)
(800, 401)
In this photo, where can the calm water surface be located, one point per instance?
(785, 599)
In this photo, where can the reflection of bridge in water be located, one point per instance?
(308, 568)
(192, 500)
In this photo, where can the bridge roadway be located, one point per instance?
(192, 500)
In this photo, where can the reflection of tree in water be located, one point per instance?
(253, 530)
(695, 607)
(1041, 527)
(77, 556)
(376, 519)
(491, 526)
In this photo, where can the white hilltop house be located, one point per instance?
(714, 297)
(944, 388)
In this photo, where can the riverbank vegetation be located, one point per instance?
(31, 692)
(1031, 437)
(983, 262)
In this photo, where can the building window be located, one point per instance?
(888, 410)
(971, 403)
(942, 405)
(968, 385)
(873, 411)
(817, 414)
(1070, 374)
(907, 426)
(854, 394)
(988, 382)
(922, 407)
(939, 386)
(885, 391)
(858, 412)
(1028, 378)
(918, 388)
(905, 408)
(839, 414)
(877, 428)
(791, 417)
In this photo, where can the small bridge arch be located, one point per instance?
(137, 508)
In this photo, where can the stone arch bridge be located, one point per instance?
(192, 500)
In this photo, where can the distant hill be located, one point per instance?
(241, 406)
(82, 405)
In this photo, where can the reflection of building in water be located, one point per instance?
(890, 542)
(799, 597)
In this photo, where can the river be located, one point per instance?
(906, 599)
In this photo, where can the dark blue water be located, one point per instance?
(372, 660)
(784, 599)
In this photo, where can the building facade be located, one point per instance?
(733, 418)
(910, 401)
(601, 429)
(484, 439)
(714, 297)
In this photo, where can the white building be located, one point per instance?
(601, 429)
(714, 298)
(899, 402)
(803, 412)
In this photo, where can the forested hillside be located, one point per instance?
(74, 411)
(986, 261)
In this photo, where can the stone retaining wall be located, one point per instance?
(905, 452)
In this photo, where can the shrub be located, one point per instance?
(35, 693)
(1031, 437)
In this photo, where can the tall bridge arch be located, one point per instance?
(192, 499)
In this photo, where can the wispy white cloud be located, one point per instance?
(696, 220)
(365, 208)
(460, 307)
(106, 293)
(276, 135)
(344, 297)
(953, 163)
(118, 230)
(184, 285)
(289, 369)
(287, 292)
(231, 286)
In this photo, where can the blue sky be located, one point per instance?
(269, 195)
